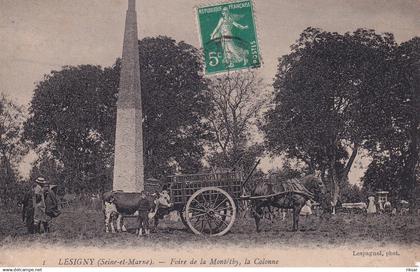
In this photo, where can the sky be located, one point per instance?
(38, 36)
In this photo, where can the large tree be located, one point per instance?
(408, 58)
(237, 100)
(175, 104)
(73, 114)
(323, 106)
(395, 144)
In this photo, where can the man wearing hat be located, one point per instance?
(40, 216)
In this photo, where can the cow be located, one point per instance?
(129, 204)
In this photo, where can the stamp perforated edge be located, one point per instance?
(198, 35)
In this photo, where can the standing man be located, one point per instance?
(40, 205)
(145, 207)
(40, 216)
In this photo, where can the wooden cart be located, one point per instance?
(207, 203)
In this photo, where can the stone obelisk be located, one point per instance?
(128, 164)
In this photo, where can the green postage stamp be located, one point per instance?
(228, 36)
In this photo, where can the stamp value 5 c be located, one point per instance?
(228, 37)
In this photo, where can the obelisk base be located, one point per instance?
(128, 165)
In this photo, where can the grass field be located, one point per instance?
(85, 227)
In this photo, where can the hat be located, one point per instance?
(41, 180)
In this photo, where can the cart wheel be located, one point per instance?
(210, 211)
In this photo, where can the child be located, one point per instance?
(306, 210)
(371, 206)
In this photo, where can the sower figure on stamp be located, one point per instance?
(232, 53)
(145, 206)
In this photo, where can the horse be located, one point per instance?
(310, 187)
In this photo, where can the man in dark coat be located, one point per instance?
(145, 207)
(40, 205)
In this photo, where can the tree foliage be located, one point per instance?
(11, 147)
(175, 103)
(11, 128)
(395, 145)
(324, 99)
(73, 115)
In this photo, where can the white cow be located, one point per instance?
(111, 215)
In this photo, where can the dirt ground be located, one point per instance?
(77, 227)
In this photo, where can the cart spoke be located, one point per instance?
(194, 212)
(223, 201)
(224, 209)
(197, 221)
(198, 215)
(215, 201)
(221, 221)
(204, 200)
(207, 196)
(210, 228)
(199, 203)
(202, 225)
(198, 210)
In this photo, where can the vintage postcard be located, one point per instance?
(173, 133)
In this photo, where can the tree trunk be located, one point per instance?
(337, 178)
(336, 189)
(333, 177)
(349, 164)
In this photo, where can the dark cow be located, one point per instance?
(129, 204)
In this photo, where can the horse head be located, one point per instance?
(315, 185)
